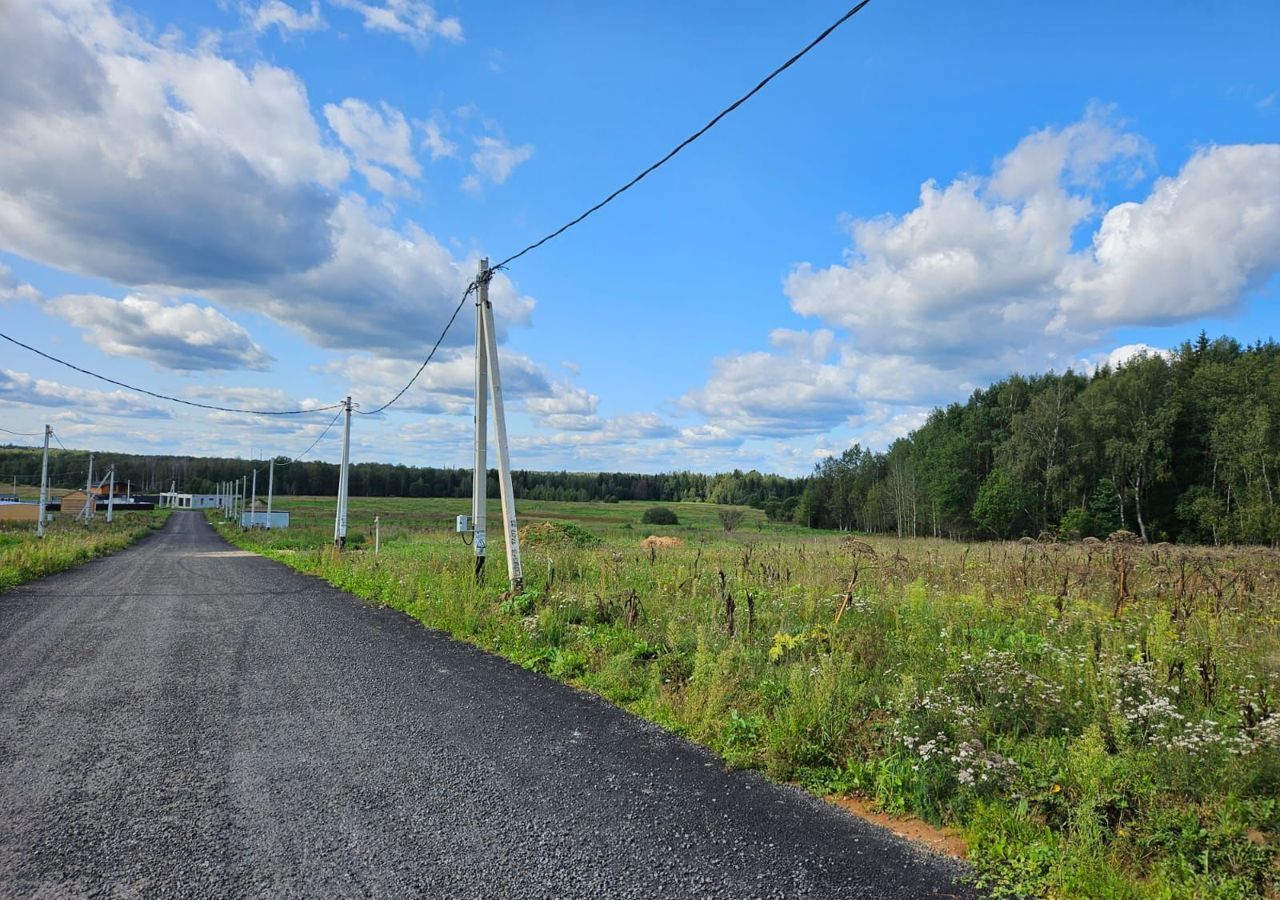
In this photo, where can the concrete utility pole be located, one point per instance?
(111, 494)
(253, 504)
(271, 486)
(340, 520)
(88, 492)
(244, 490)
(488, 341)
(44, 484)
(480, 470)
(377, 534)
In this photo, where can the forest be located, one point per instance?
(1181, 447)
(150, 474)
(1184, 447)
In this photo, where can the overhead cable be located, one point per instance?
(400, 393)
(295, 459)
(130, 387)
(691, 138)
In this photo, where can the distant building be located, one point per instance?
(176, 500)
(73, 502)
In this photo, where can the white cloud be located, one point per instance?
(981, 279)
(382, 289)
(494, 160)
(1198, 245)
(286, 18)
(181, 336)
(567, 406)
(413, 20)
(375, 136)
(157, 166)
(12, 289)
(144, 164)
(435, 142)
(446, 385)
(20, 387)
(1122, 355)
(800, 390)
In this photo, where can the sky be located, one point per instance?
(274, 204)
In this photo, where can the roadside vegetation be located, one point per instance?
(67, 543)
(1100, 719)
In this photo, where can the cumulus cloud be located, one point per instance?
(800, 390)
(1198, 245)
(989, 262)
(181, 336)
(151, 164)
(288, 19)
(413, 20)
(374, 137)
(1122, 355)
(446, 385)
(567, 407)
(983, 278)
(20, 387)
(435, 142)
(975, 263)
(12, 289)
(382, 289)
(494, 160)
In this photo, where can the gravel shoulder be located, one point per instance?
(186, 719)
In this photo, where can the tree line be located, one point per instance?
(149, 474)
(1183, 447)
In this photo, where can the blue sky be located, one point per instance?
(277, 203)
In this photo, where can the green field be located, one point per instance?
(67, 543)
(1098, 720)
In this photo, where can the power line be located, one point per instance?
(58, 439)
(22, 433)
(465, 294)
(691, 138)
(332, 422)
(130, 387)
(715, 120)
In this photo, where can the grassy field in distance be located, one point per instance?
(1100, 720)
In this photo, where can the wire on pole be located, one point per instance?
(22, 433)
(691, 138)
(400, 393)
(295, 459)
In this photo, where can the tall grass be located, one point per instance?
(1101, 721)
(67, 543)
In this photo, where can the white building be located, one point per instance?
(175, 500)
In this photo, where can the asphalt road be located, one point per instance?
(186, 720)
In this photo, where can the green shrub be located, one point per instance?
(659, 515)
